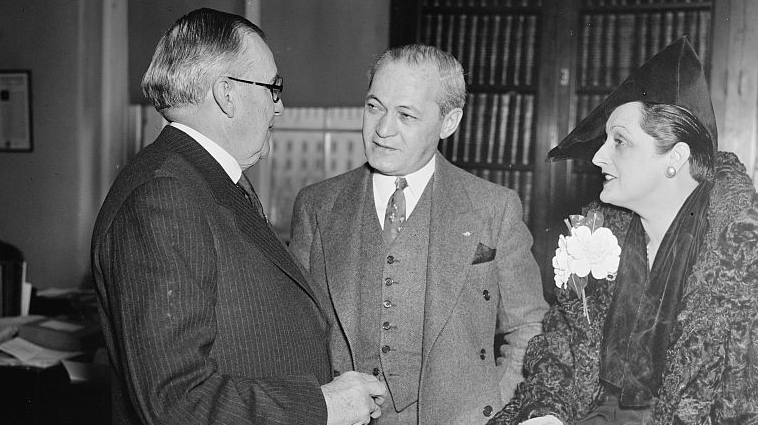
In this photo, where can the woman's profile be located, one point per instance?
(674, 338)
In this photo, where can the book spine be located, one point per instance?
(438, 30)
(472, 49)
(515, 129)
(527, 142)
(450, 40)
(460, 49)
(484, 49)
(519, 51)
(668, 28)
(531, 45)
(507, 48)
(505, 104)
(626, 52)
(495, 49)
(428, 28)
(596, 59)
(585, 51)
(655, 33)
(643, 22)
(492, 134)
(609, 74)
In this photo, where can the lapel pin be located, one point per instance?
(466, 233)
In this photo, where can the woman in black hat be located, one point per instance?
(674, 338)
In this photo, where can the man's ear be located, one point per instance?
(679, 155)
(450, 122)
(224, 96)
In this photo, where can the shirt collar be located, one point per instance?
(416, 180)
(224, 158)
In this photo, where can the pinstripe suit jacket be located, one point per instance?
(207, 318)
(479, 268)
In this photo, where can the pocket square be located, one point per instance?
(483, 254)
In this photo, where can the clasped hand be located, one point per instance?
(353, 398)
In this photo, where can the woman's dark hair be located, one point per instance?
(671, 124)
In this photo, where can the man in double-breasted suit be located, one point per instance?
(421, 259)
(207, 317)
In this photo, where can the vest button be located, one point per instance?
(387, 304)
(386, 326)
(483, 354)
(486, 295)
(388, 281)
(390, 259)
(386, 349)
(375, 372)
(487, 411)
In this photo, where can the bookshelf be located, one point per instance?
(534, 68)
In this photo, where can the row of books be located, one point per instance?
(520, 181)
(496, 129)
(615, 44)
(482, 3)
(617, 3)
(585, 103)
(586, 185)
(495, 50)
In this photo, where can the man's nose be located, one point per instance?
(386, 126)
(279, 107)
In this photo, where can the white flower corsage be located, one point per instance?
(590, 248)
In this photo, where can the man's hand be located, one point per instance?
(353, 398)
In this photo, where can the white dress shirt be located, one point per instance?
(384, 187)
(224, 158)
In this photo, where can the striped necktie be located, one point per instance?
(247, 187)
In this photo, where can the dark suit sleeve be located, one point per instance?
(523, 306)
(160, 272)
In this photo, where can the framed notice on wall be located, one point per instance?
(15, 111)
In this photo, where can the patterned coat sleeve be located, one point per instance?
(562, 365)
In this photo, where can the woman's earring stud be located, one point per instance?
(670, 172)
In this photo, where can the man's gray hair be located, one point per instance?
(200, 47)
(452, 93)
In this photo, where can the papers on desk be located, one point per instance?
(34, 355)
(25, 352)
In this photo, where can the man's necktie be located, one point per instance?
(394, 218)
(247, 187)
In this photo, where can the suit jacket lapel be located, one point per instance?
(454, 232)
(227, 194)
(342, 248)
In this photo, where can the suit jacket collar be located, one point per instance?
(455, 230)
(229, 195)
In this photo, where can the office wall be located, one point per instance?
(325, 48)
(48, 197)
(148, 20)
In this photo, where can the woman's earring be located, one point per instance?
(670, 172)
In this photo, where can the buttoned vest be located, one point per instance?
(392, 302)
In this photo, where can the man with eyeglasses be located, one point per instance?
(207, 317)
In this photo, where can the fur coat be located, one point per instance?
(711, 371)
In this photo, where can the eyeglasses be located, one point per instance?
(276, 89)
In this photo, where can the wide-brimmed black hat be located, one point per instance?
(674, 76)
